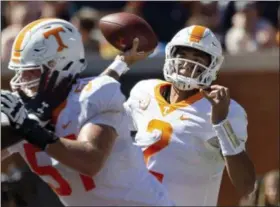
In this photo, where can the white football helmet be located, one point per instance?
(52, 42)
(200, 38)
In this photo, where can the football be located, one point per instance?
(8, 135)
(120, 29)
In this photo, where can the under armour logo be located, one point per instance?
(44, 105)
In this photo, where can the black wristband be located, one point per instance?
(37, 135)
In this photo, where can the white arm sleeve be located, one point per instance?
(238, 121)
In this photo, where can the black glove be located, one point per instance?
(49, 95)
(29, 129)
(37, 135)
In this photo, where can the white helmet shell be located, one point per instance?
(51, 42)
(200, 38)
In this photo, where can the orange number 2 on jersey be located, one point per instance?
(64, 188)
(167, 130)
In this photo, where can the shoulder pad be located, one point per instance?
(101, 94)
(144, 86)
(102, 87)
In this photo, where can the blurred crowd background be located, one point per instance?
(242, 27)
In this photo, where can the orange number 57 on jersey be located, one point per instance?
(64, 188)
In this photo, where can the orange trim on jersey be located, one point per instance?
(57, 111)
(197, 33)
(18, 42)
(165, 107)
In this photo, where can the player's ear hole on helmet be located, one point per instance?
(67, 66)
(69, 29)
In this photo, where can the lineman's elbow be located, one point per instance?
(91, 170)
(93, 166)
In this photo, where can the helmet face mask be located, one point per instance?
(54, 43)
(27, 81)
(199, 76)
(194, 71)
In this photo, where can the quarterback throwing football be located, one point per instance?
(188, 129)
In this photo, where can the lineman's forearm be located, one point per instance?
(81, 156)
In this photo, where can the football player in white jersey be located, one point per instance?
(189, 129)
(89, 159)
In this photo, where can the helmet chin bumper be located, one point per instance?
(182, 83)
(30, 86)
(17, 82)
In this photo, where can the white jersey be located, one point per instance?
(179, 144)
(124, 179)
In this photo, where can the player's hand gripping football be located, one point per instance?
(219, 98)
(133, 55)
(49, 96)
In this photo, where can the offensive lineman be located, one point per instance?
(90, 159)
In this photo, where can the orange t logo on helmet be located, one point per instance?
(55, 33)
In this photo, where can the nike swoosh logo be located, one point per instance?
(64, 126)
(182, 117)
